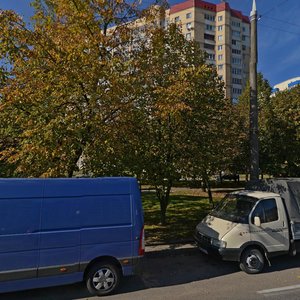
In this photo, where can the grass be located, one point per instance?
(185, 211)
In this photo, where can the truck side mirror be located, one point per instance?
(257, 221)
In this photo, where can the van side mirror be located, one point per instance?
(257, 221)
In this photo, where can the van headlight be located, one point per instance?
(218, 243)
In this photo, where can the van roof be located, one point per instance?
(65, 187)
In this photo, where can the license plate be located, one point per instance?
(203, 250)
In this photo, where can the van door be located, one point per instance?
(20, 203)
(60, 237)
(273, 232)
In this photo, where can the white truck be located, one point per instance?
(250, 226)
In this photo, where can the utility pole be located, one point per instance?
(254, 147)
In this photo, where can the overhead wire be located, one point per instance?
(279, 29)
(264, 16)
(283, 21)
(274, 7)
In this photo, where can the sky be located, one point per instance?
(278, 33)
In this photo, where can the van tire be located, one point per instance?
(103, 278)
(252, 261)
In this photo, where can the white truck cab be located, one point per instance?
(250, 226)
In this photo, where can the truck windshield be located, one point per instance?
(234, 208)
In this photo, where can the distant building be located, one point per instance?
(223, 32)
(285, 85)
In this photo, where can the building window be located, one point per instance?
(209, 46)
(189, 15)
(209, 27)
(236, 51)
(243, 38)
(209, 37)
(220, 18)
(220, 67)
(234, 42)
(236, 80)
(188, 36)
(211, 56)
(236, 61)
(177, 19)
(220, 28)
(220, 57)
(236, 91)
(220, 37)
(236, 24)
(236, 71)
(236, 33)
(209, 17)
(243, 47)
(188, 26)
(220, 47)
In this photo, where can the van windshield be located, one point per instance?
(234, 208)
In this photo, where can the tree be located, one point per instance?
(278, 125)
(180, 106)
(281, 134)
(64, 85)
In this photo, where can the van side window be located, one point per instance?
(266, 210)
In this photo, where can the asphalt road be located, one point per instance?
(189, 274)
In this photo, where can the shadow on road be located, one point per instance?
(166, 268)
(283, 263)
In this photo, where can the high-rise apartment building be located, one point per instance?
(223, 32)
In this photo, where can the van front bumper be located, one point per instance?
(204, 244)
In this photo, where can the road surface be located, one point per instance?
(189, 274)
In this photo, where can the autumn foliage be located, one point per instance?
(83, 91)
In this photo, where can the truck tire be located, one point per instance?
(103, 278)
(252, 261)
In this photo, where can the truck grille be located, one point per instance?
(203, 239)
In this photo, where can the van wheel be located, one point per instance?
(252, 261)
(103, 279)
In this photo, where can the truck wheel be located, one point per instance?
(103, 279)
(252, 261)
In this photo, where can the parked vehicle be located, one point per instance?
(61, 231)
(253, 225)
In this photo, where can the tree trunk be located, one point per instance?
(247, 176)
(163, 210)
(207, 184)
(163, 195)
(72, 167)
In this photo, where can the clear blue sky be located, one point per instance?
(279, 33)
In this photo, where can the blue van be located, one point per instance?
(66, 230)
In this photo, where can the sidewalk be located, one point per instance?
(170, 249)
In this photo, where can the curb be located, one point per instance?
(170, 250)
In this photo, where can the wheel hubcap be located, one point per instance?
(103, 279)
(253, 261)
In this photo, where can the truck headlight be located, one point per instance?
(218, 243)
